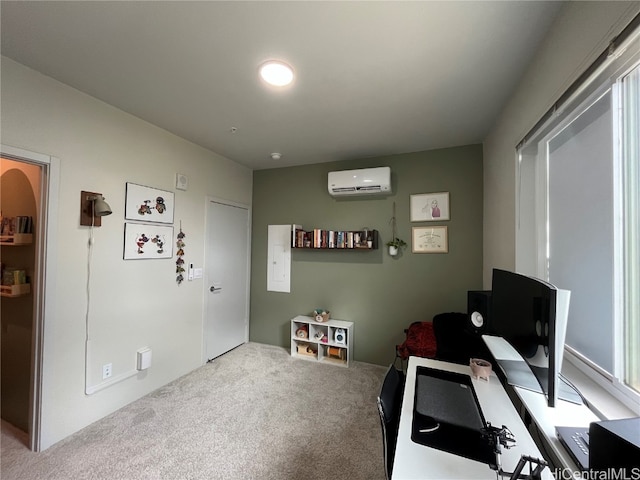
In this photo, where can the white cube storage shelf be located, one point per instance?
(325, 342)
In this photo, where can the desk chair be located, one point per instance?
(389, 405)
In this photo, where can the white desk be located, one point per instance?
(415, 461)
(545, 418)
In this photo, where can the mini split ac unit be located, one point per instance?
(364, 181)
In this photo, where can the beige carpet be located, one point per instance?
(253, 413)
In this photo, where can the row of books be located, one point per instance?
(14, 276)
(13, 225)
(318, 238)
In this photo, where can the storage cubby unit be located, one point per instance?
(324, 342)
(321, 239)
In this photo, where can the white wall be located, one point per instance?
(133, 303)
(581, 32)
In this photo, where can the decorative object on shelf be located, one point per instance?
(305, 349)
(147, 204)
(366, 239)
(319, 336)
(303, 331)
(147, 241)
(321, 315)
(180, 253)
(429, 207)
(396, 243)
(340, 336)
(337, 353)
(480, 368)
(430, 240)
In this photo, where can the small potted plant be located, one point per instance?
(394, 245)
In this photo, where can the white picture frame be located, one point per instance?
(430, 207)
(144, 241)
(147, 204)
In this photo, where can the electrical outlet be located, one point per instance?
(107, 370)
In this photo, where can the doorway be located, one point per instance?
(29, 188)
(227, 267)
(20, 187)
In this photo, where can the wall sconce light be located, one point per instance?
(92, 208)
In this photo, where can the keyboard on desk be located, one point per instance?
(576, 440)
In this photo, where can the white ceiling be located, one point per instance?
(372, 78)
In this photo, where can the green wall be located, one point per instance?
(381, 294)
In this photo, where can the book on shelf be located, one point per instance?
(14, 276)
(319, 238)
(14, 225)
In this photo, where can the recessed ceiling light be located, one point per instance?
(276, 156)
(276, 73)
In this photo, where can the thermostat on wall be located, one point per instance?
(182, 181)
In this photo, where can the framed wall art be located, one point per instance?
(146, 241)
(429, 240)
(146, 204)
(428, 207)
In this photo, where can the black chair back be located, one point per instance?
(389, 405)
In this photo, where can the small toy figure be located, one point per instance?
(303, 331)
(160, 206)
(144, 208)
(141, 241)
(159, 242)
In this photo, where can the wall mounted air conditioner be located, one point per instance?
(364, 181)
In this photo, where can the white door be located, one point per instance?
(227, 274)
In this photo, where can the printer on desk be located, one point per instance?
(604, 445)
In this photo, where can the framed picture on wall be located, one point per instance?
(429, 240)
(428, 207)
(147, 204)
(146, 241)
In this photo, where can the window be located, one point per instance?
(630, 153)
(578, 210)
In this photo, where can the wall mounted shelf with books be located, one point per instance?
(16, 239)
(15, 290)
(15, 282)
(321, 239)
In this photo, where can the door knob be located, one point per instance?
(214, 289)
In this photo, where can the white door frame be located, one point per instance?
(45, 288)
(205, 287)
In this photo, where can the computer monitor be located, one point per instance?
(531, 315)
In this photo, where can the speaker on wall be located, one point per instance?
(479, 310)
